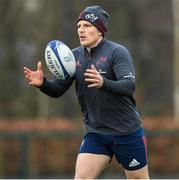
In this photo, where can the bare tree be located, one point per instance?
(176, 58)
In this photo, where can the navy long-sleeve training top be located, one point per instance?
(112, 108)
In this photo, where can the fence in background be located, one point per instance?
(48, 149)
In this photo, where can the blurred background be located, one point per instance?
(40, 136)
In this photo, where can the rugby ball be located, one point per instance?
(60, 59)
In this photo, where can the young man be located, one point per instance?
(105, 84)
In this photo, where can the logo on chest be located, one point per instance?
(101, 71)
(101, 60)
(100, 63)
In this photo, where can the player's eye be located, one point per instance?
(87, 25)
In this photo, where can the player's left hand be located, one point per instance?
(93, 77)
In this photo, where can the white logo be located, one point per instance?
(91, 17)
(102, 72)
(129, 76)
(133, 163)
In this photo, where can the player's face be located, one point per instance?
(89, 35)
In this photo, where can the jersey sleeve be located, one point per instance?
(123, 68)
(56, 87)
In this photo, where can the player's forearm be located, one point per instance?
(54, 88)
(124, 87)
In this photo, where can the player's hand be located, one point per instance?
(35, 78)
(93, 77)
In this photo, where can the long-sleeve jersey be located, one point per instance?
(110, 109)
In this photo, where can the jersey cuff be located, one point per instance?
(43, 84)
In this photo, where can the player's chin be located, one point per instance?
(83, 43)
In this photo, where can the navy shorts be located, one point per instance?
(129, 150)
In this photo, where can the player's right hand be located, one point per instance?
(35, 78)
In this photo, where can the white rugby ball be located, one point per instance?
(60, 59)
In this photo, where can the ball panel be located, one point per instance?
(67, 58)
(53, 63)
(55, 48)
(60, 59)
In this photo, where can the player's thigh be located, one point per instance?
(89, 166)
(142, 173)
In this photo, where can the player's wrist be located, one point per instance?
(43, 83)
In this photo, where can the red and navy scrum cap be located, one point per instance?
(96, 16)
